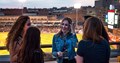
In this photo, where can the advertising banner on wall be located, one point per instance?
(111, 18)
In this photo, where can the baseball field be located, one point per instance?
(46, 38)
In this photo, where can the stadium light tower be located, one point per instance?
(22, 2)
(77, 6)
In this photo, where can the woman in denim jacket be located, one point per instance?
(64, 42)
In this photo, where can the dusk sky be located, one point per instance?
(44, 3)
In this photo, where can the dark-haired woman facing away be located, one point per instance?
(30, 51)
(104, 33)
(15, 36)
(93, 48)
(64, 42)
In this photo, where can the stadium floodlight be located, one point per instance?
(22, 1)
(77, 6)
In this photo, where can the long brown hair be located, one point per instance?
(29, 47)
(16, 31)
(104, 32)
(60, 33)
(92, 29)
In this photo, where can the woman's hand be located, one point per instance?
(60, 54)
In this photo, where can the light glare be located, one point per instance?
(77, 5)
(22, 1)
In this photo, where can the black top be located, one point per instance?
(94, 52)
(38, 57)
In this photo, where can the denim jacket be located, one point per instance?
(59, 44)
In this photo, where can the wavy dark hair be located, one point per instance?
(60, 33)
(30, 51)
(16, 31)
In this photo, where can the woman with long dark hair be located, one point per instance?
(30, 51)
(93, 48)
(14, 38)
(104, 33)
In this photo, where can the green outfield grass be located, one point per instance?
(46, 38)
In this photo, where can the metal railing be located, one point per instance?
(6, 58)
(115, 52)
(50, 45)
(42, 46)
